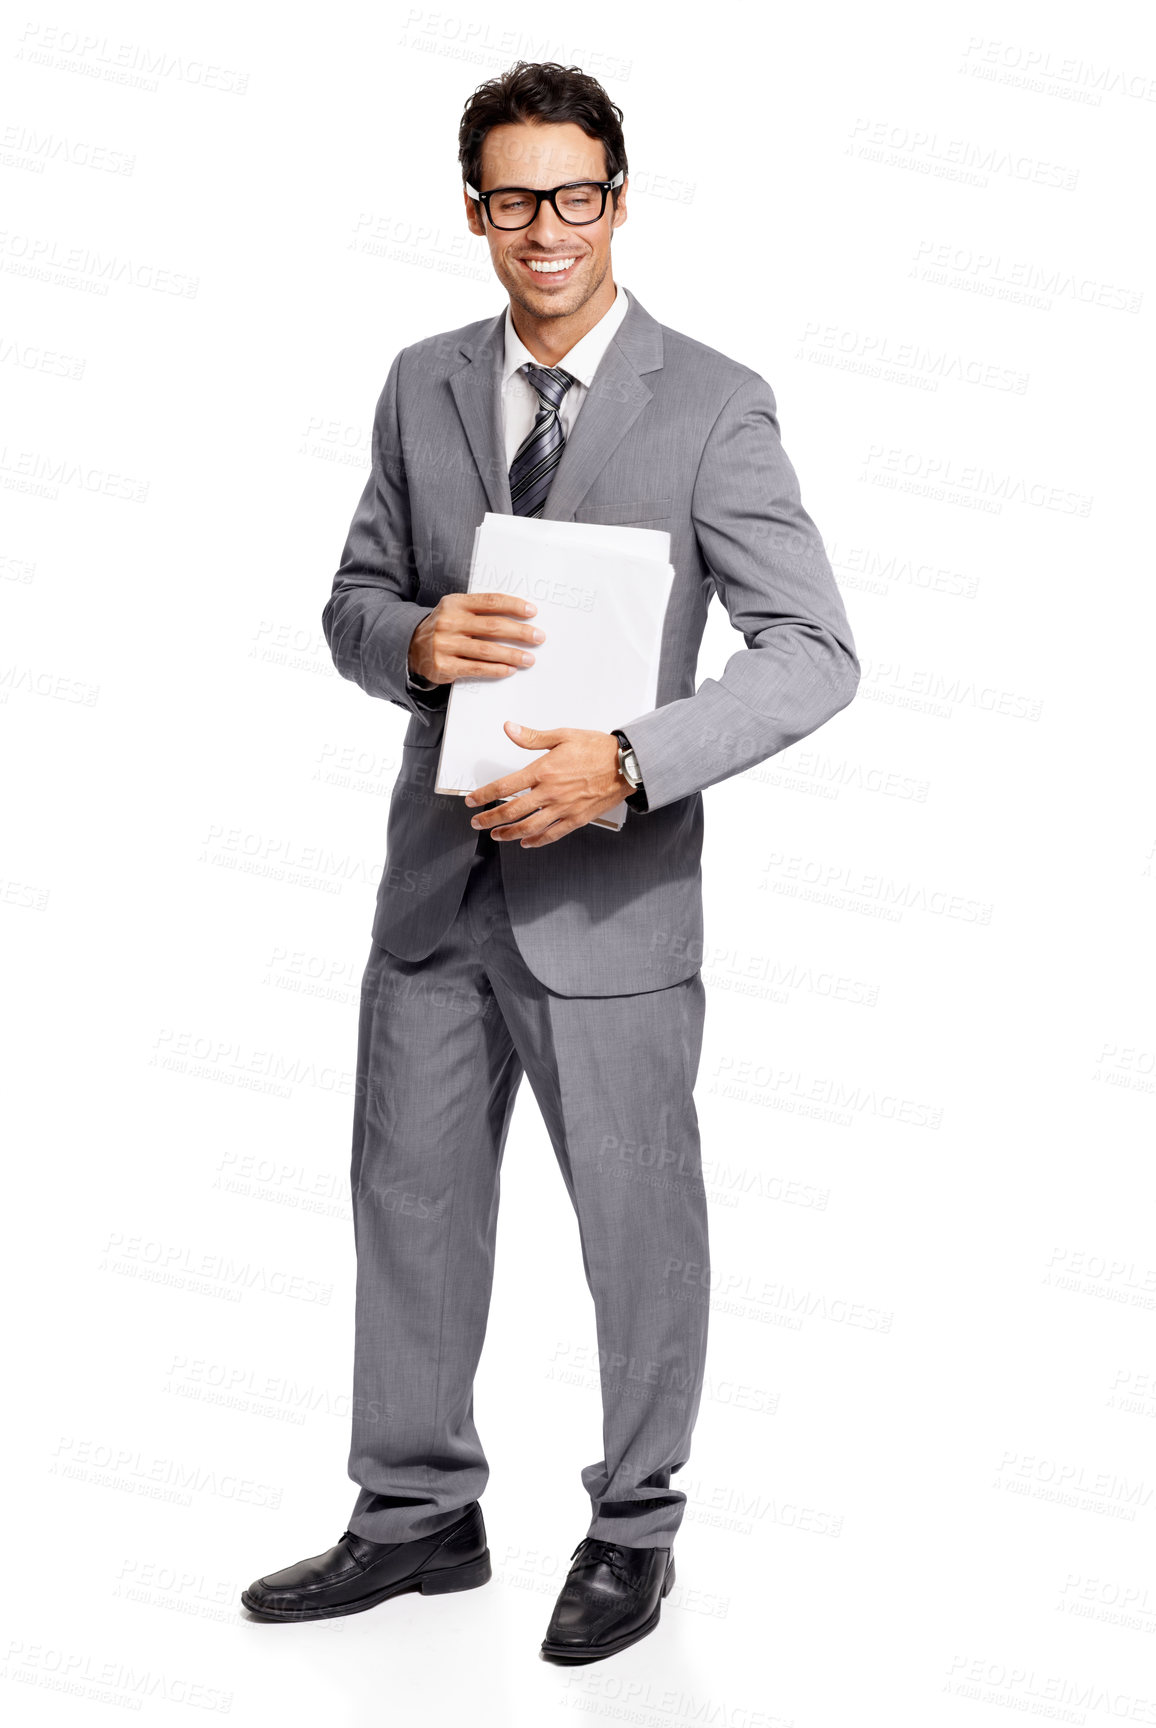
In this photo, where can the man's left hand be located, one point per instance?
(575, 781)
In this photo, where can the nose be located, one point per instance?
(547, 230)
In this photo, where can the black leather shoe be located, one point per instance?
(611, 1598)
(358, 1574)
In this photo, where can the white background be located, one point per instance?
(923, 1485)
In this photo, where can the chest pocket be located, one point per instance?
(642, 510)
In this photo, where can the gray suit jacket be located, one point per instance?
(671, 435)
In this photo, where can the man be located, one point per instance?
(580, 965)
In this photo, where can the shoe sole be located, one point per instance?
(594, 1652)
(467, 1577)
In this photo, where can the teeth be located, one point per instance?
(550, 268)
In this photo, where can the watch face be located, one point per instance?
(628, 762)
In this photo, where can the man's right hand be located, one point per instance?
(459, 638)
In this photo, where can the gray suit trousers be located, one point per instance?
(443, 1044)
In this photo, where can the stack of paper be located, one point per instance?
(601, 593)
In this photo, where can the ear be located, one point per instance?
(620, 208)
(473, 215)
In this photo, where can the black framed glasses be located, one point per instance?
(578, 203)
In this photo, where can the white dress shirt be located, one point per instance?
(520, 399)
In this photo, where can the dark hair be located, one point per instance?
(544, 92)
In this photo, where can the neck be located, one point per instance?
(551, 339)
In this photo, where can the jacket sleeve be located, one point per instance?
(371, 613)
(767, 562)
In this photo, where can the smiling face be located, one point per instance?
(551, 269)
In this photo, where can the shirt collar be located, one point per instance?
(582, 360)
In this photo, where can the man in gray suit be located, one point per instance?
(579, 967)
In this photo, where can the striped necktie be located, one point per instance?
(540, 451)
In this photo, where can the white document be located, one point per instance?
(601, 592)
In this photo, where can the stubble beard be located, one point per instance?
(564, 305)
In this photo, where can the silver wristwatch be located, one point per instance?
(628, 762)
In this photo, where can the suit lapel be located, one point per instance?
(477, 388)
(614, 401)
